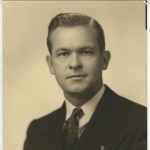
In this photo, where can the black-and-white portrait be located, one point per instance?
(74, 75)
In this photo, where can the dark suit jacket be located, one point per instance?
(117, 124)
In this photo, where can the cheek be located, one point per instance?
(94, 66)
(59, 78)
(95, 72)
(57, 67)
(58, 73)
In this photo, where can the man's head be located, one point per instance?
(77, 55)
(72, 20)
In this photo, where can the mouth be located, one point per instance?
(76, 77)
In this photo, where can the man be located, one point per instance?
(93, 117)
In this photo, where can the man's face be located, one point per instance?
(76, 60)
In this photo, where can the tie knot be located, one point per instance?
(77, 112)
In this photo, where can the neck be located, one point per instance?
(79, 99)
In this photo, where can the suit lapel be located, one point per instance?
(100, 130)
(51, 137)
(61, 116)
(102, 124)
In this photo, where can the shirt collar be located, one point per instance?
(89, 107)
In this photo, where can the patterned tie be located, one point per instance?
(70, 129)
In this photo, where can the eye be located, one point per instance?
(63, 54)
(86, 52)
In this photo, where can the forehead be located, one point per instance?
(73, 36)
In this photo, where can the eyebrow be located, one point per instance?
(61, 49)
(79, 49)
(86, 47)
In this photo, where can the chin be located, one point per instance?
(76, 90)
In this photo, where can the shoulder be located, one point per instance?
(48, 117)
(125, 104)
(130, 114)
(46, 122)
(129, 106)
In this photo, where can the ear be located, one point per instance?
(49, 62)
(106, 57)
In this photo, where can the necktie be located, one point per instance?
(70, 129)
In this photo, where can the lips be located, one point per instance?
(75, 76)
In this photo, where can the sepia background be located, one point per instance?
(29, 91)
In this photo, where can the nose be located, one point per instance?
(75, 62)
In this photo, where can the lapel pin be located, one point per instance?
(102, 147)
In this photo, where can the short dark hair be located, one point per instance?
(75, 19)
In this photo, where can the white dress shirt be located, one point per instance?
(88, 109)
